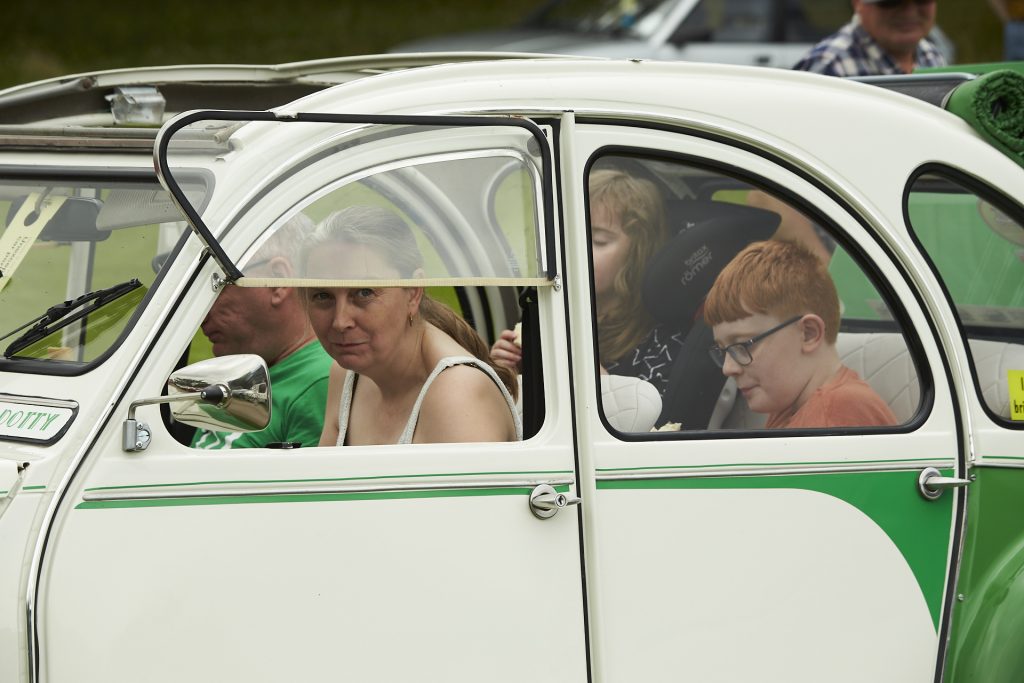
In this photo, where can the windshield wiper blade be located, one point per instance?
(59, 316)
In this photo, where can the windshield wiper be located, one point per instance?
(57, 317)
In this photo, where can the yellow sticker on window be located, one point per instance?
(1016, 381)
(24, 229)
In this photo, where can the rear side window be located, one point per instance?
(690, 336)
(977, 250)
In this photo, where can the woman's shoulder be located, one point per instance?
(463, 403)
(462, 381)
(461, 371)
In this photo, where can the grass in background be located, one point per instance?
(62, 37)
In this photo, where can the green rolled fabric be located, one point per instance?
(994, 106)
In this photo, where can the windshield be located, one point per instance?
(62, 239)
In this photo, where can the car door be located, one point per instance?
(719, 550)
(411, 562)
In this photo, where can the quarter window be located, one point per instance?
(977, 249)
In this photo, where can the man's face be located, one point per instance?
(237, 321)
(897, 25)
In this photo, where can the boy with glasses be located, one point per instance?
(774, 313)
(885, 37)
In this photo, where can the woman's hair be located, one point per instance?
(388, 234)
(623, 321)
(777, 278)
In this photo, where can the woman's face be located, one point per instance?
(609, 246)
(359, 327)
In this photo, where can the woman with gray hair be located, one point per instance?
(408, 369)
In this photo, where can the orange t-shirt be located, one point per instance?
(844, 401)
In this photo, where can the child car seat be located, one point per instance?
(708, 235)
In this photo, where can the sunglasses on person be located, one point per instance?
(893, 4)
(740, 351)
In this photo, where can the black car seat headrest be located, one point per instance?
(708, 235)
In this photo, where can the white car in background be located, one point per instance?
(754, 32)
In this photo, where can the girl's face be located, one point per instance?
(359, 327)
(609, 246)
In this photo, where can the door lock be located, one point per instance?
(545, 501)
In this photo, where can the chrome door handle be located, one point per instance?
(931, 483)
(545, 501)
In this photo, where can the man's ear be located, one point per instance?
(282, 268)
(279, 294)
(812, 332)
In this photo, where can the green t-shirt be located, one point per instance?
(298, 397)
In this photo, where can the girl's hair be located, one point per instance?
(387, 233)
(777, 278)
(623, 321)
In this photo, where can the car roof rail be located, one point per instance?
(933, 88)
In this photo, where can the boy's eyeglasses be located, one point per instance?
(740, 351)
(893, 4)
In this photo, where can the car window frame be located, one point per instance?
(915, 348)
(1003, 202)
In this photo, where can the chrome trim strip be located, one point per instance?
(278, 490)
(774, 471)
(33, 401)
(1005, 464)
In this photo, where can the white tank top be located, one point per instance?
(410, 426)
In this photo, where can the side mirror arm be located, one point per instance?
(135, 436)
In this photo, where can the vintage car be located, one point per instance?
(645, 528)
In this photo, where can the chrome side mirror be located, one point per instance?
(230, 393)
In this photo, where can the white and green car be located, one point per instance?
(605, 546)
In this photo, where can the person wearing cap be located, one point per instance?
(885, 37)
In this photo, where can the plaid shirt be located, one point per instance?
(852, 52)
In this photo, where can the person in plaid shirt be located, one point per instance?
(884, 37)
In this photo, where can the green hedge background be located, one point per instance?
(59, 37)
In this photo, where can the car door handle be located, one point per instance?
(545, 501)
(931, 483)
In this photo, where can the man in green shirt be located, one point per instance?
(271, 323)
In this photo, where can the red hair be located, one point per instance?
(777, 278)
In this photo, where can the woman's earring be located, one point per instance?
(410, 320)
